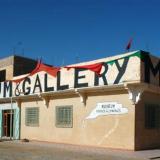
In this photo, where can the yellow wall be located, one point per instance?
(113, 131)
(9, 71)
(146, 138)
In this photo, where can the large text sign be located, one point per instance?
(124, 70)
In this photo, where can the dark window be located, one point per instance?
(32, 116)
(2, 75)
(64, 116)
(152, 116)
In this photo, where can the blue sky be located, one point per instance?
(63, 32)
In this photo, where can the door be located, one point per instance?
(7, 123)
(9, 114)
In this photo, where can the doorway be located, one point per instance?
(7, 123)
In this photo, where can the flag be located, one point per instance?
(39, 67)
(42, 67)
(93, 67)
(129, 44)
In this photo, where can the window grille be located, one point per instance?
(152, 116)
(32, 116)
(64, 116)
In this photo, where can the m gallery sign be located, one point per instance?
(137, 66)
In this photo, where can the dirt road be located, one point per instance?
(52, 151)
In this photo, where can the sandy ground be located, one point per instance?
(16, 150)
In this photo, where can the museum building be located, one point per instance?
(112, 102)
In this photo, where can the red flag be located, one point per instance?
(40, 67)
(93, 67)
(129, 44)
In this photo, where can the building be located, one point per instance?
(15, 66)
(11, 67)
(112, 102)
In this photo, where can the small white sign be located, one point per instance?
(107, 108)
